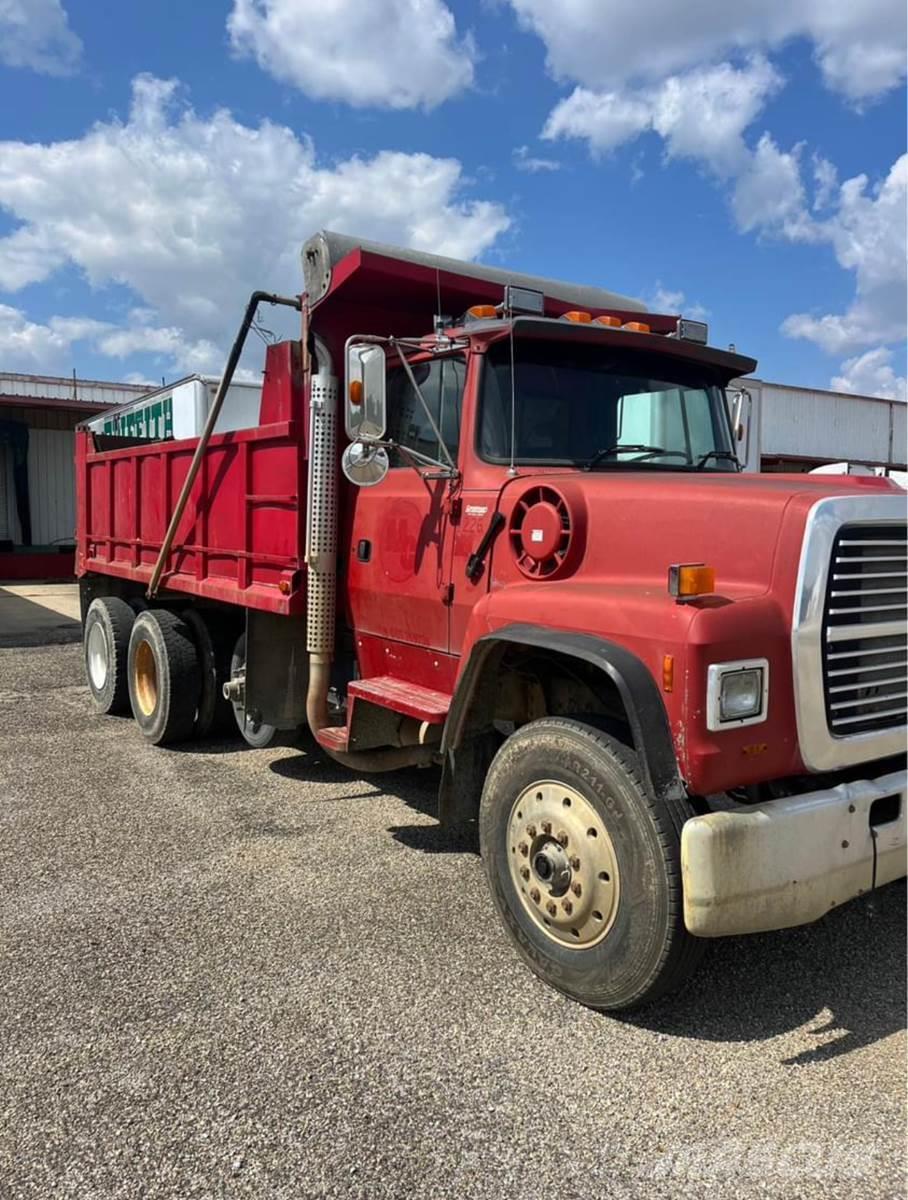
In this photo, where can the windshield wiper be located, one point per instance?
(620, 447)
(725, 455)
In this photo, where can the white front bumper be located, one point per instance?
(789, 861)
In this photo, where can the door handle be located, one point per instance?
(476, 560)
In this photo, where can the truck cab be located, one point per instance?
(670, 696)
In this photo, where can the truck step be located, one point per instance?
(333, 737)
(425, 704)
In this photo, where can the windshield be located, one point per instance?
(586, 405)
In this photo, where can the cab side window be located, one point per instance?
(441, 382)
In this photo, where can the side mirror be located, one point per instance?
(740, 424)
(365, 399)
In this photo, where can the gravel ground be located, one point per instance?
(232, 973)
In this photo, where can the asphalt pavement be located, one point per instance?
(238, 973)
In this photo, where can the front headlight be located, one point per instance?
(737, 693)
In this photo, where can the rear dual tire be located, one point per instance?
(105, 650)
(164, 677)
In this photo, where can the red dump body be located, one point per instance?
(242, 536)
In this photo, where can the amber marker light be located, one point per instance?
(582, 318)
(611, 322)
(636, 326)
(686, 581)
(479, 312)
(668, 672)
(356, 392)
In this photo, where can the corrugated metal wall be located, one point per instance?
(52, 485)
(7, 503)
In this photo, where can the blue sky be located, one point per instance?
(159, 160)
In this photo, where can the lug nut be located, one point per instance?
(524, 849)
(531, 830)
(576, 889)
(546, 827)
(534, 895)
(575, 863)
(551, 908)
(524, 872)
(561, 837)
(567, 906)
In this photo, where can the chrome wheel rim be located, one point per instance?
(96, 654)
(563, 865)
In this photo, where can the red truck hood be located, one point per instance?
(638, 523)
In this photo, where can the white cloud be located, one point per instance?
(603, 44)
(768, 193)
(605, 119)
(666, 300)
(867, 233)
(524, 161)
(702, 116)
(193, 213)
(826, 180)
(36, 34)
(386, 53)
(871, 374)
(53, 346)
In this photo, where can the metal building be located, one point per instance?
(37, 504)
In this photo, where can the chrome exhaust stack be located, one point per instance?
(321, 575)
(321, 535)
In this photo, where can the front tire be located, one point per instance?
(584, 865)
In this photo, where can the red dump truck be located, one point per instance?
(497, 523)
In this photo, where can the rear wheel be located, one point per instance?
(584, 865)
(214, 714)
(105, 646)
(164, 676)
(255, 732)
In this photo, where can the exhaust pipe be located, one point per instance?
(321, 572)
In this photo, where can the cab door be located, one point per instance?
(399, 555)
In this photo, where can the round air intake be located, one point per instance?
(543, 533)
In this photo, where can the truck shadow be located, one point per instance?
(845, 972)
(842, 976)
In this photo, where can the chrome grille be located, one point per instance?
(865, 652)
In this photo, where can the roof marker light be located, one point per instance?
(582, 318)
(636, 326)
(611, 322)
(479, 312)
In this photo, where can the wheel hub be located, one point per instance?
(552, 868)
(145, 678)
(562, 864)
(97, 656)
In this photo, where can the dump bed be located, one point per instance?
(242, 536)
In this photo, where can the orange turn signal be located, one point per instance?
(636, 326)
(612, 322)
(480, 311)
(668, 672)
(691, 579)
(355, 392)
(583, 318)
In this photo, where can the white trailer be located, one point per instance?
(784, 428)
